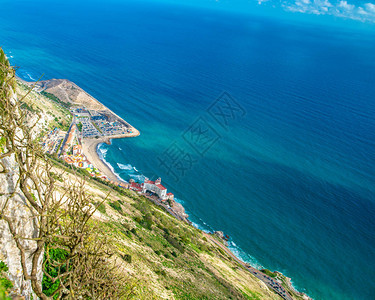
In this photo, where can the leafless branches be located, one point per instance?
(70, 248)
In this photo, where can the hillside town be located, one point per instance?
(91, 124)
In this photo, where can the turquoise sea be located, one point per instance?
(287, 169)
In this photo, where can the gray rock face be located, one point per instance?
(22, 219)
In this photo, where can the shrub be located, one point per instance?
(3, 266)
(5, 283)
(101, 208)
(203, 247)
(127, 258)
(58, 255)
(161, 272)
(116, 206)
(269, 273)
(175, 243)
(147, 221)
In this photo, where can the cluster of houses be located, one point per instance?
(72, 154)
(71, 150)
(77, 158)
(53, 140)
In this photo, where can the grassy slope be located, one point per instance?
(171, 259)
(54, 114)
(168, 258)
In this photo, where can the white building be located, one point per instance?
(155, 187)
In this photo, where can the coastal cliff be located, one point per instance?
(160, 256)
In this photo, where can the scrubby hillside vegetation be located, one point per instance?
(65, 235)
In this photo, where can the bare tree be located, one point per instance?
(71, 250)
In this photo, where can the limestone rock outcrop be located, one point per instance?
(23, 221)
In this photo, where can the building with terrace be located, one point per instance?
(157, 188)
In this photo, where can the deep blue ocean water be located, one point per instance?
(291, 178)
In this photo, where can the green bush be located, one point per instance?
(116, 206)
(2, 144)
(145, 222)
(57, 255)
(127, 258)
(269, 273)
(175, 243)
(5, 283)
(3, 266)
(101, 208)
(161, 272)
(56, 99)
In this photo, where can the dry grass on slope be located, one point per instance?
(168, 258)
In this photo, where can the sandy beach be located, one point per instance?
(89, 147)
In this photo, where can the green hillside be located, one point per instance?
(129, 247)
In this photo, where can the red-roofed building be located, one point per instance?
(135, 186)
(155, 187)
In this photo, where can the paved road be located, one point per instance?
(270, 282)
(66, 136)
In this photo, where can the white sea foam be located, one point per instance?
(127, 167)
(200, 227)
(102, 152)
(30, 77)
(236, 250)
(182, 202)
(138, 178)
(242, 255)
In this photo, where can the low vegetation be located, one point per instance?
(56, 100)
(5, 283)
(99, 241)
(269, 273)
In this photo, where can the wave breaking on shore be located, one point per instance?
(132, 172)
(102, 153)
